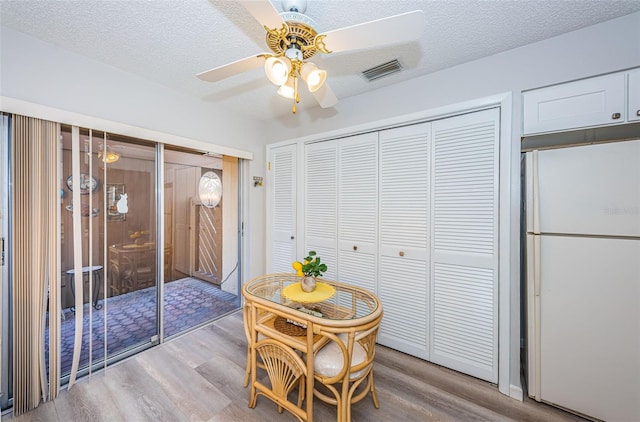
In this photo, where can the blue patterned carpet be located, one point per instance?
(131, 318)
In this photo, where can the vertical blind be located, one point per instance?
(35, 272)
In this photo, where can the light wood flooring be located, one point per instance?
(198, 377)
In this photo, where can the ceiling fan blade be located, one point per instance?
(264, 12)
(221, 72)
(325, 96)
(392, 30)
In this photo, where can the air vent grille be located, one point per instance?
(381, 70)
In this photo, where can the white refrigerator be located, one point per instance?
(583, 278)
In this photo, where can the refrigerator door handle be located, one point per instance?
(535, 179)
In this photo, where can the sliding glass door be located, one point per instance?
(142, 255)
(200, 251)
(146, 272)
(114, 234)
(5, 297)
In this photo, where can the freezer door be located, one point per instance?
(589, 322)
(585, 190)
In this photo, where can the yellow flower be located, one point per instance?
(297, 266)
(300, 273)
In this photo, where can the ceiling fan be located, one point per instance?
(293, 39)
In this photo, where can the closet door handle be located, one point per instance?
(616, 116)
(638, 113)
(355, 248)
(401, 253)
(292, 237)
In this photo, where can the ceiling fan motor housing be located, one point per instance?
(299, 34)
(294, 5)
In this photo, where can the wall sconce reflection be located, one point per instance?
(210, 189)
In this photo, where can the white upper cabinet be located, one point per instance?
(633, 112)
(589, 102)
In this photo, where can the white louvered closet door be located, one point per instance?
(321, 204)
(358, 210)
(404, 238)
(464, 271)
(283, 209)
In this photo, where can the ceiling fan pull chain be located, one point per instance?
(296, 97)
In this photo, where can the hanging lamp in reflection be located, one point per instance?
(107, 155)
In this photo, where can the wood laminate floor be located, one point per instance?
(198, 377)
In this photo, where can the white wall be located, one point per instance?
(41, 73)
(602, 48)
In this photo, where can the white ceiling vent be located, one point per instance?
(381, 70)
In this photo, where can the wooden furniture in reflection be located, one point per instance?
(131, 267)
(346, 321)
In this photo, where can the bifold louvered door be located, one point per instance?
(411, 213)
(464, 226)
(404, 238)
(321, 203)
(283, 209)
(358, 210)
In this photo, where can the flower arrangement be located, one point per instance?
(312, 267)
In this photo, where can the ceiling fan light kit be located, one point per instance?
(292, 38)
(277, 69)
(288, 89)
(313, 76)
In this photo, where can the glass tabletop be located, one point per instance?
(333, 300)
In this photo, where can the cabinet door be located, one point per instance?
(633, 112)
(321, 203)
(282, 208)
(464, 271)
(404, 238)
(589, 102)
(358, 210)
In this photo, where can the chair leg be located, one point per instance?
(374, 394)
(301, 391)
(248, 370)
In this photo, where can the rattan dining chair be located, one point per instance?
(277, 282)
(354, 351)
(285, 370)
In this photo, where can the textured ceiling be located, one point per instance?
(170, 41)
